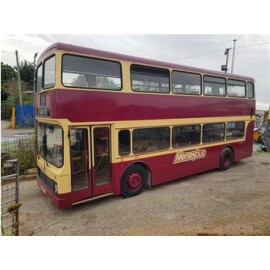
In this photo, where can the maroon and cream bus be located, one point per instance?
(111, 124)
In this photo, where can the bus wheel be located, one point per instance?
(226, 159)
(133, 181)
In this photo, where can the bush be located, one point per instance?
(21, 148)
(6, 110)
(26, 158)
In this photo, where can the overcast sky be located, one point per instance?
(252, 54)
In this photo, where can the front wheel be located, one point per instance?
(133, 181)
(226, 159)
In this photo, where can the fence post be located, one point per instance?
(10, 199)
(13, 118)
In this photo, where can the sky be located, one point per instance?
(252, 51)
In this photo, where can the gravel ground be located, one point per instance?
(234, 202)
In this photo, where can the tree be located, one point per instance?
(9, 86)
(8, 74)
(9, 78)
(26, 71)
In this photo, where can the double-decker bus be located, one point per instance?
(112, 124)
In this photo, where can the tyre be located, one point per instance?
(226, 159)
(133, 181)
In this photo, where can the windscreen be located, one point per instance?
(50, 143)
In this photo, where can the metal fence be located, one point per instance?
(9, 197)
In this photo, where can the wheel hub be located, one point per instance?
(134, 180)
(227, 159)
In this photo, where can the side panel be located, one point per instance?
(172, 167)
(163, 169)
(115, 106)
(245, 149)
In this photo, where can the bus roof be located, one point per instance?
(138, 60)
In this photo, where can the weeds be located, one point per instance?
(22, 148)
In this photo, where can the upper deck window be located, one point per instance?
(186, 83)
(214, 86)
(149, 79)
(39, 78)
(236, 88)
(49, 73)
(250, 90)
(78, 71)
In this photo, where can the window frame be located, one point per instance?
(214, 77)
(36, 78)
(44, 69)
(247, 90)
(147, 151)
(93, 58)
(213, 141)
(149, 68)
(228, 87)
(42, 145)
(120, 153)
(235, 137)
(186, 145)
(190, 73)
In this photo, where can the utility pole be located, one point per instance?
(34, 79)
(234, 41)
(19, 78)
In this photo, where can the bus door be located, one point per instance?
(79, 141)
(101, 160)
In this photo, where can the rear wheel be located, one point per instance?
(226, 159)
(133, 181)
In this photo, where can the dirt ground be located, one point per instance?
(234, 202)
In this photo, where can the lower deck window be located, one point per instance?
(145, 140)
(235, 130)
(124, 142)
(213, 132)
(151, 139)
(186, 135)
